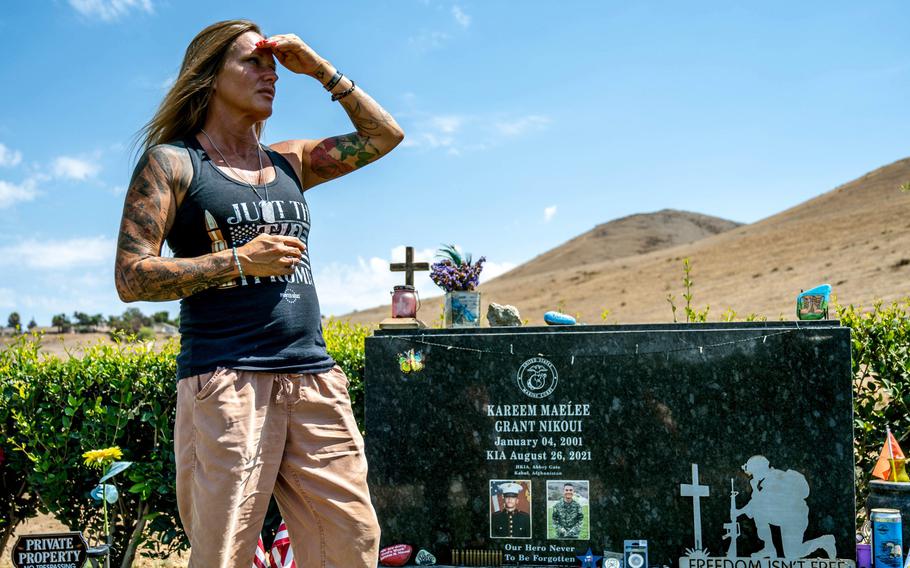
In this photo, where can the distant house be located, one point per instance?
(165, 329)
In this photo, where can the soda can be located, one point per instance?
(887, 548)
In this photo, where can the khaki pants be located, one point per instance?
(240, 436)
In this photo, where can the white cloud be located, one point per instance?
(446, 123)
(493, 269)
(7, 299)
(48, 254)
(463, 19)
(110, 10)
(368, 283)
(9, 157)
(428, 140)
(521, 125)
(548, 213)
(74, 168)
(458, 133)
(427, 40)
(11, 193)
(436, 132)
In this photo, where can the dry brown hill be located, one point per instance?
(855, 237)
(627, 236)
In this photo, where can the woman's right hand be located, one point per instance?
(271, 255)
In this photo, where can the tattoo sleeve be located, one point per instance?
(377, 134)
(140, 272)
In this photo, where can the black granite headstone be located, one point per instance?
(529, 446)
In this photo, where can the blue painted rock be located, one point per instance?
(395, 555)
(558, 318)
(424, 558)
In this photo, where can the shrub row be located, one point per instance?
(52, 410)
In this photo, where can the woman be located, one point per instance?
(261, 406)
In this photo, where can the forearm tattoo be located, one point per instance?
(140, 272)
(377, 134)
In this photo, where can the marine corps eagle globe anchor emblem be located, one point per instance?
(537, 377)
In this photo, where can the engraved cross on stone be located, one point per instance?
(696, 492)
(409, 267)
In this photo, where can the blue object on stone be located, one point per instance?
(813, 304)
(589, 559)
(558, 318)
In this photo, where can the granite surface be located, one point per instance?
(630, 410)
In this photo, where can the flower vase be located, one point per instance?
(462, 308)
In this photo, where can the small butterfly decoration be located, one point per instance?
(410, 361)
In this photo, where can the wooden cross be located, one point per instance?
(696, 492)
(409, 266)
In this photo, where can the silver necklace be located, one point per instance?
(265, 205)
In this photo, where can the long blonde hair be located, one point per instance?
(182, 112)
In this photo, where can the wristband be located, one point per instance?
(334, 80)
(343, 94)
(237, 260)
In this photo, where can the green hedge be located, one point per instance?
(881, 384)
(52, 410)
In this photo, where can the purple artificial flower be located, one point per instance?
(455, 273)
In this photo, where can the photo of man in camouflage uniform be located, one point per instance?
(568, 512)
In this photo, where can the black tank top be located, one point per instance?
(256, 323)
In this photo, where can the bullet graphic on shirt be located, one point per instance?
(218, 242)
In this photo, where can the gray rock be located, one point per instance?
(503, 316)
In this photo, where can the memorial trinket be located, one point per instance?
(887, 545)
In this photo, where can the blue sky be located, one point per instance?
(527, 123)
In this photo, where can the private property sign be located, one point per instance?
(61, 550)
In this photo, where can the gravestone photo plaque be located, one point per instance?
(555, 446)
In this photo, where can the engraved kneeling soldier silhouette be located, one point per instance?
(567, 514)
(779, 499)
(511, 522)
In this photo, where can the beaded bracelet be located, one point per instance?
(334, 80)
(237, 260)
(343, 94)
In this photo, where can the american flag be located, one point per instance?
(261, 559)
(242, 234)
(282, 554)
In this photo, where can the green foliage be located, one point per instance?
(16, 501)
(345, 343)
(53, 410)
(130, 322)
(62, 323)
(905, 186)
(693, 315)
(881, 384)
(121, 395)
(14, 321)
(450, 252)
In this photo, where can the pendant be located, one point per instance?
(268, 211)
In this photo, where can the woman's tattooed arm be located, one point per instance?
(377, 133)
(163, 173)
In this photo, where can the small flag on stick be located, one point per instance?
(890, 465)
(282, 553)
(261, 559)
